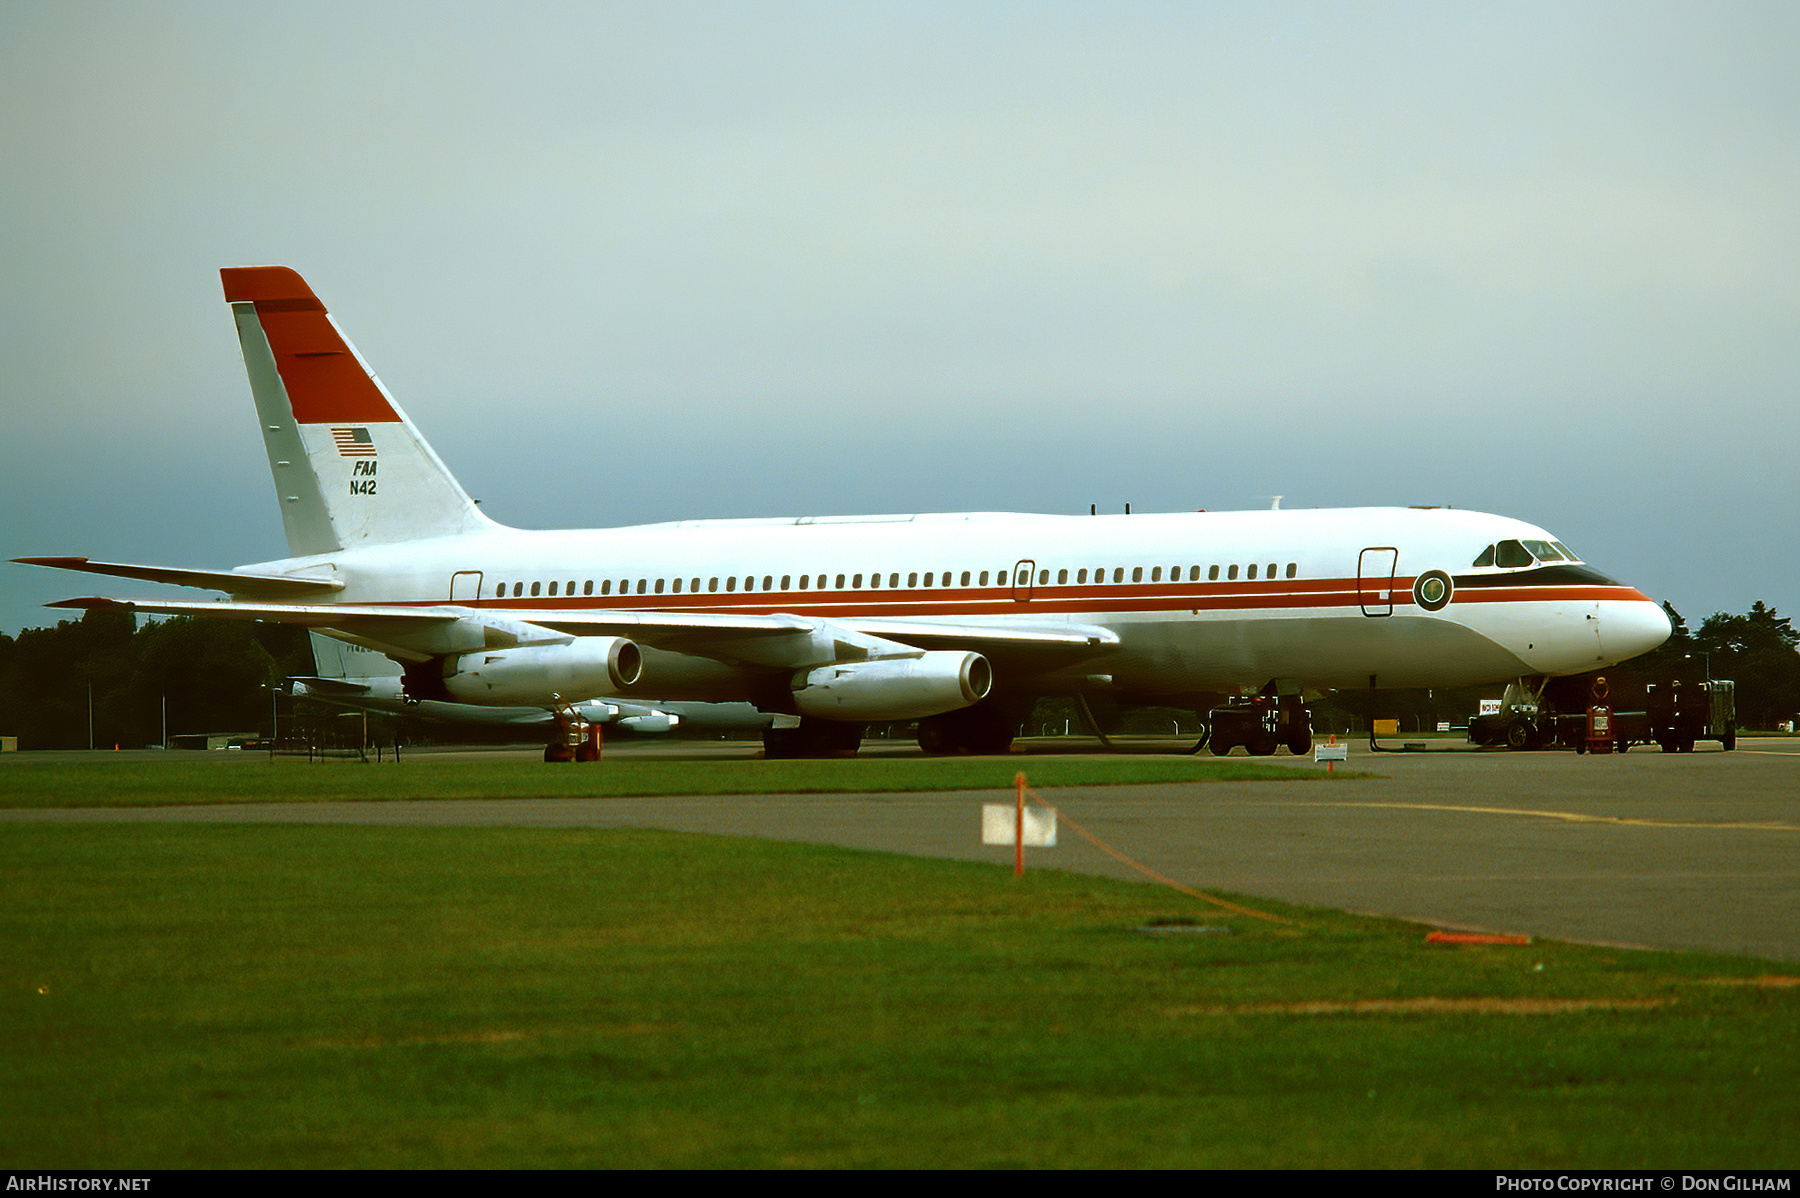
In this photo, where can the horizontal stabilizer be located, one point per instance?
(266, 586)
(330, 687)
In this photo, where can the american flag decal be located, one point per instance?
(353, 442)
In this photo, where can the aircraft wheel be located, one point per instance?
(1730, 739)
(1220, 746)
(1300, 746)
(933, 738)
(813, 738)
(1518, 734)
(1262, 746)
(558, 753)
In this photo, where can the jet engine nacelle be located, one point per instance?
(896, 688)
(534, 675)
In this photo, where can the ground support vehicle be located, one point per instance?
(1681, 715)
(1261, 723)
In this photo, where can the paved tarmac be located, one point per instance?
(1646, 849)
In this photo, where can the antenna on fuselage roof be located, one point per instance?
(1275, 505)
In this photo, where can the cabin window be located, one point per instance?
(1081, 576)
(1156, 574)
(1193, 573)
(606, 586)
(1293, 569)
(678, 586)
(893, 580)
(912, 580)
(805, 581)
(965, 578)
(712, 584)
(731, 584)
(1137, 573)
(875, 581)
(1231, 573)
(1212, 575)
(587, 588)
(659, 586)
(856, 583)
(534, 589)
(500, 591)
(1062, 577)
(840, 582)
(1252, 575)
(768, 580)
(1043, 578)
(643, 585)
(984, 577)
(1119, 574)
(570, 589)
(1271, 572)
(750, 583)
(786, 581)
(553, 589)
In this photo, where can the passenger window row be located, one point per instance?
(914, 581)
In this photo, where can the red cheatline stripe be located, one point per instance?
(1047, 601)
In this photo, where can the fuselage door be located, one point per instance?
(1375, 580)
(1022, 579)
(465, 586)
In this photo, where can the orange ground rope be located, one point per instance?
(1150, 873)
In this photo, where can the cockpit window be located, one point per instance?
(1566, 551)
(1486, 558)
(1508, 554)
(1543, 551)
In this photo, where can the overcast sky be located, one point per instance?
(644, 261)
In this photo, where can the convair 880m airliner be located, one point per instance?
(958, 621)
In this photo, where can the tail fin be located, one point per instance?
(349, 467)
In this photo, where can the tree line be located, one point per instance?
(213, 676)
(207, 675)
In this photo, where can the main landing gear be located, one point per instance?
(984, 730)
(813, 738)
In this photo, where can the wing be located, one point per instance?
(779, 640)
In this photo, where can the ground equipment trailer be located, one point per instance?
(1681, 715)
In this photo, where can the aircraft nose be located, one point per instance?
(1630, 629)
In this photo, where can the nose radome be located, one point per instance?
(1629, 630)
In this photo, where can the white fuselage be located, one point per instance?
(1200, 602)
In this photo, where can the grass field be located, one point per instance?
(268, 996)
(86, 780)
